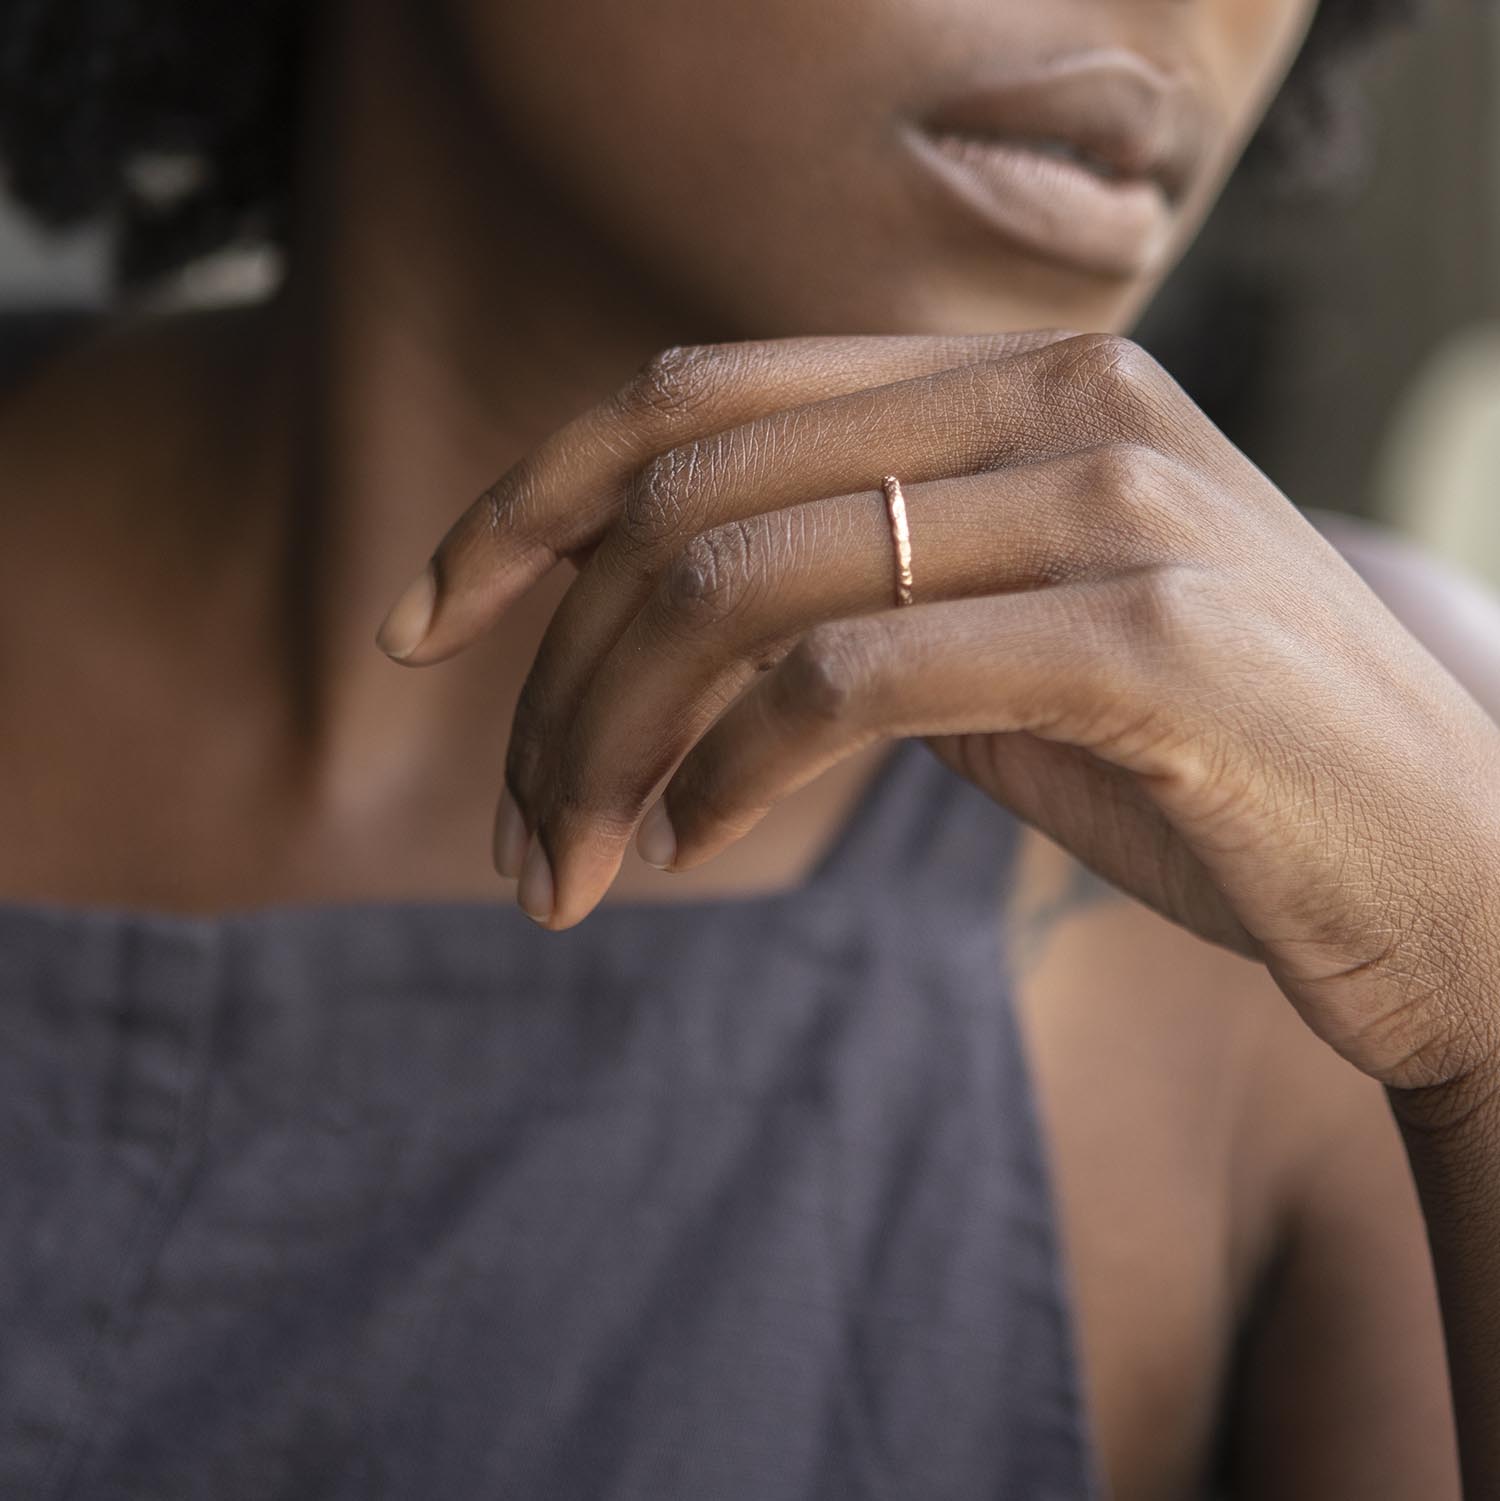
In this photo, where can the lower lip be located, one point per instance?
(1054, 208)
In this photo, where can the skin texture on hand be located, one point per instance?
(1122, 632)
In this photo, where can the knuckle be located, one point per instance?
(497, 511)
(676, 382)
(1135, 480)
(1126, 466)
(826, 675)
(498, 517)
(1108, 370)
(710, 574)
(1167, 607)
(657, 501)
(1114, 357)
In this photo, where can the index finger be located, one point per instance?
(560, 498)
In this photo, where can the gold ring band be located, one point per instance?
(895, 505)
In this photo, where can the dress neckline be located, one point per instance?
(852, 845)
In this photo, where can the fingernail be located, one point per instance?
(510, 837)
(535, 891)
(657, 840)
(402, 630)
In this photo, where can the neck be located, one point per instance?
(443, 316)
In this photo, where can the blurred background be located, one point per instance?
(1349, 342)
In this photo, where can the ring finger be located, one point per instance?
(964, 420)
(737, 597)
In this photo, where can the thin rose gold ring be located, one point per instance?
(895, 506)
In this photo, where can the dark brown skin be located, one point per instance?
(1122, 632)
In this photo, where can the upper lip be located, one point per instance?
(1113, 108)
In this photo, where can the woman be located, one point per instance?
(893, 1152)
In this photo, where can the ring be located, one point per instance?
(895, 505)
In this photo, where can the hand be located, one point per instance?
(1121, 631)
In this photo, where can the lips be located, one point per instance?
(1084, 161)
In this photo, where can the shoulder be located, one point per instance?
(1177, 1093)
(1451, 613)
(1149, 1032)
(1218, 1165)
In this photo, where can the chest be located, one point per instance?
(134, 790)
(158, 813)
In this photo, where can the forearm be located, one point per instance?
(1452, 1140)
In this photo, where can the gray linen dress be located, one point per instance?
(734, 1200)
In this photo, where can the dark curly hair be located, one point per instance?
(94, 94)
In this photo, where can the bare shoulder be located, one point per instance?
(1216, 1165)
(1144, 1045)
(1144, 1032)
(1451, 613)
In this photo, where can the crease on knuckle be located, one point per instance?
(497, 515)
(678, 381)
(497, 518)
(658, 500)
(713, 573)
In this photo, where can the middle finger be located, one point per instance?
(959, 421)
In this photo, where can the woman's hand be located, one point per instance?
(1121, 631)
